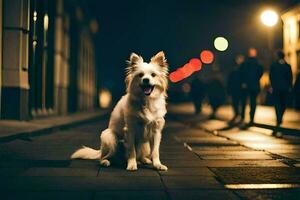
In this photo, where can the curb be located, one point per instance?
(48, 130)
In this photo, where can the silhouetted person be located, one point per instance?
(197, 94)
(216, 93)
(251, 72)
(234, 87)
(281, 82)
(297, 92)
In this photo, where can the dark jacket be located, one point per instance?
(281, 76)
(234, 82)
(197, 89)
(216, 93)
(251, 72)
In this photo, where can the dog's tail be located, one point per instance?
(86, 153)
(107, 149)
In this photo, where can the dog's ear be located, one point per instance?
(132, 64)
(160, 59)
(135, 59)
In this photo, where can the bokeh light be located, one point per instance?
(269, 18)
(207, 57)
(105, 98)
(176, 76)
(221, 43)
(196, 64)
(185, 71)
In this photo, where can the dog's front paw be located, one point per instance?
(131, 166)
(160, 167)
(146, 161)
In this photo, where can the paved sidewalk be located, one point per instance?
(202, 165)
(11, 129)
(264, 115)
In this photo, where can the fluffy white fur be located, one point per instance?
(138, 117)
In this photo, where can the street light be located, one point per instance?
(269, 18)
(221, 44)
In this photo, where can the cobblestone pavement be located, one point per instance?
(203, 164)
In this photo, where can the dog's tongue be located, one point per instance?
(147, 90)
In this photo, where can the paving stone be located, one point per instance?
(142, 172)
(194, 133)
(255, 175)
(84, 164)
(80, 183)
(204, 140)
(170, 149)
(250, 136)
(278, 194)
(45, 171)
(47, 195)
(236, 155)
(23, 163)
(196, 171)
(228, 152)
(202, 194)
(214, 124)
(11, 171)
(186, 155)
(270, 146)
(220, 148)
(212, 144)
(184, 163)
(130, 195)
(190, 182)
(224, 163)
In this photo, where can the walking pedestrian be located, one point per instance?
(215, 93)
(281, 83)
(197, 94)
(234, 87)
(251, 72)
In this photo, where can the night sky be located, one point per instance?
(180, 28)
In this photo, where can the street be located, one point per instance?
(203, 164)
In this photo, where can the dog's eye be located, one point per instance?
(141, 75)
(153, 74)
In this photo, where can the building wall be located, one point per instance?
(15, 83)
(1, 24)
(61, 56)
(291, 37)
(87, 68)
(48, 59)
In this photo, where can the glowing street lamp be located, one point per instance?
(269, 18)
(221, 44)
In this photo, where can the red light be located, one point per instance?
(176, 76)
(188, 69)
(207, 57)
(196, 63)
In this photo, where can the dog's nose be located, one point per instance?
(146, 80)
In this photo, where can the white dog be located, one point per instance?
(138, 117)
